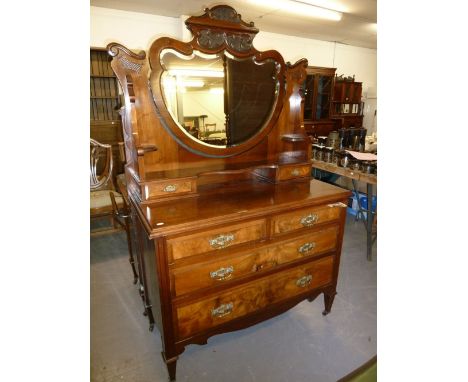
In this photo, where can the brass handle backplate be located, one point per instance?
(305, 248)
(304, 281)
(222, 240)
(170, 188)
(222, 273)
(222, 310)
(309, 220)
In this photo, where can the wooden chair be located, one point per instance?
(105, 202)
(101, 185)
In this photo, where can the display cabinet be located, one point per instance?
(346, 103)
(318, 92)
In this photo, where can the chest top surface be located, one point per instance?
(218, 204)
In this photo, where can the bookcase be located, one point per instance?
(105, 102)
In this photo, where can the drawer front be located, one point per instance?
(215, 240)
(304, 218)
(219, 272)
(252, 296)
(169, 188)
(291, 172)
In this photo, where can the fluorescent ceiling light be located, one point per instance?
(301, 8)
(196, 73)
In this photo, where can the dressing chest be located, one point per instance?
(228, 227)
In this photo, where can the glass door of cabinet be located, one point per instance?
(308, 88)
(324, 87)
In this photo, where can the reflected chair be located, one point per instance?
(105, 202)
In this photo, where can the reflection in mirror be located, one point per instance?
(218, 99)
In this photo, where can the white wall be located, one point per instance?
(134, 30)
(138, 30)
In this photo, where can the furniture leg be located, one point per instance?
(370, 219)
(358, 200)
(328, 298)
(171, 365)
(130, 251)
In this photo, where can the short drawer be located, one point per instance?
(248, 298)
(291, 172)
(220, 272)
(305, 218)
(155, 190)
(217, 239)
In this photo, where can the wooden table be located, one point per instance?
(355, 176)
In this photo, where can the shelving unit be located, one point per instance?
(105, 122)
(346, 104)
(318, 93)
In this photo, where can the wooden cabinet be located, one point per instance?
(226, 236)
(105, 121)
(318, 92)
(346, 104)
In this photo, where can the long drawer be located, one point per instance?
(216, 239)
(304, 218)
(221, 271)
(252, 296)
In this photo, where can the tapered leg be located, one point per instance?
(171, 366)
(130, 251)
(328, 299)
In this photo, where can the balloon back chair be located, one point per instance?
(105, 202)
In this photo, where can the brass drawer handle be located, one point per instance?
(309, 220)
(304, 281)
(222, 273)
(221, 241)
(222, 310)
(305, 248)
(170, 188)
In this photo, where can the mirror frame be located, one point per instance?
(218, 29)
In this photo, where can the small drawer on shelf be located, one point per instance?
(306, 218)
(221, 272)
(156, 190)
(253, 296)
(291, 172)
(216, 239)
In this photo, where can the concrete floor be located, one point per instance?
(300, 345)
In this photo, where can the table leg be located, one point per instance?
(370, 220)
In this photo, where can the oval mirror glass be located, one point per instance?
(217, 99)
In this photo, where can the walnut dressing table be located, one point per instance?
(232, 231)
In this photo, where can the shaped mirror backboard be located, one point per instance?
(218, 99)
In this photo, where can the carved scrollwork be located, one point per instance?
(224, 13)
(241, 43)
(114, 48)
(211, 40)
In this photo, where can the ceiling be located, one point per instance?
(357, 26)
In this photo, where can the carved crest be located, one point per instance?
(210, 34)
